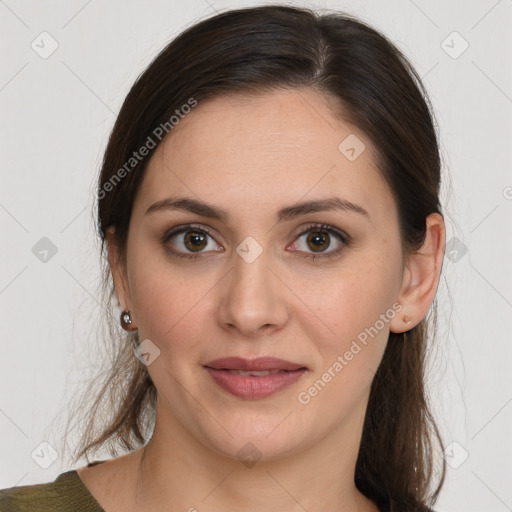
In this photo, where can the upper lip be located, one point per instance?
(258, 364)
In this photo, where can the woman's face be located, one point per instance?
(260, 283)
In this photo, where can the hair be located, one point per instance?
(371, 85)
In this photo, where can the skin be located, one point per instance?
(252, 156)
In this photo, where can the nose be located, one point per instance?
(253, 298)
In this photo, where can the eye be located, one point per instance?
(189, 240)
(321, 237)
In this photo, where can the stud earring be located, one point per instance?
(406, 319)
(126, 322)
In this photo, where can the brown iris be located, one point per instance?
(316, 238)
(195, 240)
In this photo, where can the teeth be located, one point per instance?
(262, 373)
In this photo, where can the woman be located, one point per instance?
(269, 206)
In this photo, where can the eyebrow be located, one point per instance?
(203, 209)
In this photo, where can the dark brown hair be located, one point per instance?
(373, 87)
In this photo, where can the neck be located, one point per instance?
(175, 468)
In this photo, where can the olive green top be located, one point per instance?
(66, 493)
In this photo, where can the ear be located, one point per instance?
(118, 269)
(421, 277)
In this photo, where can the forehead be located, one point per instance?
(267, 149)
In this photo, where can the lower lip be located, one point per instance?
(252, 387)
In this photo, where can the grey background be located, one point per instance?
(57, 113)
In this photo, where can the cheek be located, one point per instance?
(350, 350)
(353, 309)
(169, 304)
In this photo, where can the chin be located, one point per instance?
(256, 438)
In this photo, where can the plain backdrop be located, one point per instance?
(57, 111)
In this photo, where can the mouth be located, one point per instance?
(271, 364)
(254, 373)
(256, 378)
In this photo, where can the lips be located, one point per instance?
(254, 378)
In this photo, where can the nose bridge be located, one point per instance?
(252, 299)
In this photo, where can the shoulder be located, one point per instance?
(65, 493)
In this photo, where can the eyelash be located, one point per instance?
(320, 228)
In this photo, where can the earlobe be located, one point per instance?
(421, 277)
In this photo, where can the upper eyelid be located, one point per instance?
(322, 226)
